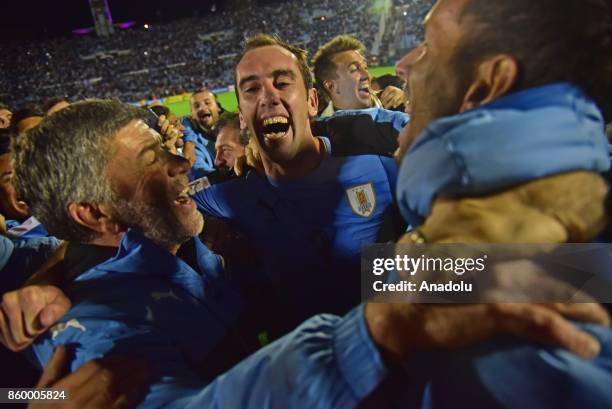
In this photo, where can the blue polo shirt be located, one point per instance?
(309, 232)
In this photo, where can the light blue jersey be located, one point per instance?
(309, 232)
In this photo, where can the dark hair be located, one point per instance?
(265, 40)
(51, 102)
(6, 135)
(63, 160)
(553, 41)
(206, 89)
(388, 80)
(26, 112)
(232, 119)
(160, 110)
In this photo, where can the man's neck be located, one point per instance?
(308, 159)
(109, 240)
(203, 129)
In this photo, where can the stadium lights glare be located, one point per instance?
(146, 26)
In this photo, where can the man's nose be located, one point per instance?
(270, 95)
(219, 160)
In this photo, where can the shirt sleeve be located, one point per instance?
(188, 133)
(213, 200)
(327, 362)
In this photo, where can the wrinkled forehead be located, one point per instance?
(229, 133)
(133, 136)
(263, 61)
(201, 96)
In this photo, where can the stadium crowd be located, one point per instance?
(171, 58)
(214, 260)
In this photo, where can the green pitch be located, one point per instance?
(228, 99)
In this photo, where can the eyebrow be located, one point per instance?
(276, 73)
(359, 62)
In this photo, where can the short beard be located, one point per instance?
(157, 225)
(203, 127)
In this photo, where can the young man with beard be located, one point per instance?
(149, 304)
(506, 144)
(309, 213)
(198, 135)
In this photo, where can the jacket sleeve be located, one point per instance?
(327, 362)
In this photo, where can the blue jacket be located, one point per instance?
(149, 304)
(525, 136)
(204, 149)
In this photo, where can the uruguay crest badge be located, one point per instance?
(362, 199)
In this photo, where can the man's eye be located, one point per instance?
(150, 158)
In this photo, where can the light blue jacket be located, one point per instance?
(149, 304)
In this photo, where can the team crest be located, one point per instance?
(362, 199)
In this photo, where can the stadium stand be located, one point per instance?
(168, 59)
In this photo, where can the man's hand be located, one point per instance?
(28, 312)
(251, 159)
(170, 134)
(392, 97)
(114, 382)
(401, 329)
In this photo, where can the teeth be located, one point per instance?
(275, 120)
(274, 136)
(184, 192)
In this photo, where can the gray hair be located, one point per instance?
(63, 160)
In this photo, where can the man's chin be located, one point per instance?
(193, 224)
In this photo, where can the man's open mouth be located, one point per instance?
(275, 127)
(183, 197)
(364, 91)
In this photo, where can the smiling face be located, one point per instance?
(436, 86)
(151, 185)
(204, 109)
(274, 102)
(350, 89)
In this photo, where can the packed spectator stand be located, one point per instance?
(171, 58)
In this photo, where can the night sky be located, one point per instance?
(34, 20)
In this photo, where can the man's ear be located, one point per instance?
(313, 102)
(95, 217)
(330, 86)
(495, 77)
